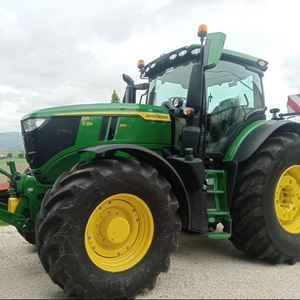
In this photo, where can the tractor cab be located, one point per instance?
(211, 94)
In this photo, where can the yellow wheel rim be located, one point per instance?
(119, 232)
(287, 200)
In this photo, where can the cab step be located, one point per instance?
(215, 235)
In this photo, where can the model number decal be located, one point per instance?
(123, 125)
(85, 121)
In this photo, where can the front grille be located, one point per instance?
(56, 135)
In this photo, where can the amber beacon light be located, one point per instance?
(202, 32)
(141, 64)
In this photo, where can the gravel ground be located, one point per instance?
(202, 268)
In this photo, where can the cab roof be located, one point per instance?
(188, 53)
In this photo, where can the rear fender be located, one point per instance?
(253, 136)
(248, 142)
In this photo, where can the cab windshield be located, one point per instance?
(171, 83)
(232, 91)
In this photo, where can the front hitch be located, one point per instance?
(8, 188)
(20, 202)
(9, 200)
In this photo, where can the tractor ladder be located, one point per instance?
(216, 193)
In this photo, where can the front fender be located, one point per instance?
(151, 158)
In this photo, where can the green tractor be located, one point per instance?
(109, 185)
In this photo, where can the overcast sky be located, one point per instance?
(60, 52)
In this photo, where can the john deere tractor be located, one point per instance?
(109, 185)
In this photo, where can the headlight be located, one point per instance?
(32, 124)
(177, 102)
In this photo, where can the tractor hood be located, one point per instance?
(54, 134)
(147, 112)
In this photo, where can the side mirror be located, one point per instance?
(213, 48)
(274, 112)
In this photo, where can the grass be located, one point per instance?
(16, 160)
(3, 223)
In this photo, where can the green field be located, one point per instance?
(15, 151)
(16, 160)
(21, 165)
(3, 223)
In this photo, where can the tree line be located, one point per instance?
(11, 155)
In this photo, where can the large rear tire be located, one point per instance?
(107, 229)
(266, 204)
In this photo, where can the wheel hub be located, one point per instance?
(115, 229)
(119, 232)
(287, 200)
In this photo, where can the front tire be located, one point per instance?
(28, 237)
(266, 204)
(107, 229)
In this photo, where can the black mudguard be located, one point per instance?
(257, 136)
(250, 144)
(153, 159)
